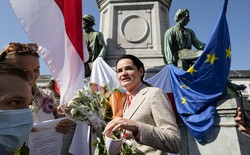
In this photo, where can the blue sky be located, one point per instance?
(203, 15)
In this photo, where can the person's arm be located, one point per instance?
(64, 125)
(157, 127)
(168, 47)
(165, 135)
(102, 46)
(195, 41)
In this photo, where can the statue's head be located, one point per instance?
(180, 14)
(89, 18)
(87, 22)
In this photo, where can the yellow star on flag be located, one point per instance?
(184, 100)
(191, 70)
(184, 86)
(228, 53)
(211, 58)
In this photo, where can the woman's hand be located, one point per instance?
(121, 123)
(64, 126)
(238, 120)
(60, 110)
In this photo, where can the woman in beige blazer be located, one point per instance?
(148, 118)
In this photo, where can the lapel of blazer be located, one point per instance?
(136, 102)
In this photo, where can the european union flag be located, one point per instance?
(197, 89)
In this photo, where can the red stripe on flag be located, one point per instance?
(171, 98)
(56, 87)
(72, 13)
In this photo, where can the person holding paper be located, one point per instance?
(148, 119)
(43, 107)
(15, 116)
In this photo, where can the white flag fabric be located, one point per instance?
(56, 26)
(102, 73)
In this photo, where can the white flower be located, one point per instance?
(32, 107)
(73, 112)
(128, 142)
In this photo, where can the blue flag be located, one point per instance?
(196, 90)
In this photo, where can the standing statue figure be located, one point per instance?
(178, 42)
(94, 41)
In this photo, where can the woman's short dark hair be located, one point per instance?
(6, 68)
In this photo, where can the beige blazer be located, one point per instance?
(159, 131)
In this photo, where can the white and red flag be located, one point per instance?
(56, 25)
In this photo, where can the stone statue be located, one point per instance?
(94, 41)
(178, 42)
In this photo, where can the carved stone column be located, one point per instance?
(135, 27)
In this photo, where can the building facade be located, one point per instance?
(242, 77)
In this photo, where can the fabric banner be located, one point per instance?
(196, 90)
(56, 26)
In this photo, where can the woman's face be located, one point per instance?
(128, 74)
(15, 93)
(30, 64)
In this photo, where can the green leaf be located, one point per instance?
(95, 142)
(24, 150)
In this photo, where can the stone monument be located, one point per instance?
(135, 27)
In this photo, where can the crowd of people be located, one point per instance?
(25, 57)
(24, 60)
(39, 106)
(148, 117)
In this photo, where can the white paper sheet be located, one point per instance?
(80, 143)
(46, 140)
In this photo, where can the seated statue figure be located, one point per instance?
(178, 42)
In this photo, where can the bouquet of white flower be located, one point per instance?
(97, 106)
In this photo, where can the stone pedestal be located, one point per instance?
(135, 27)
(225, 137)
